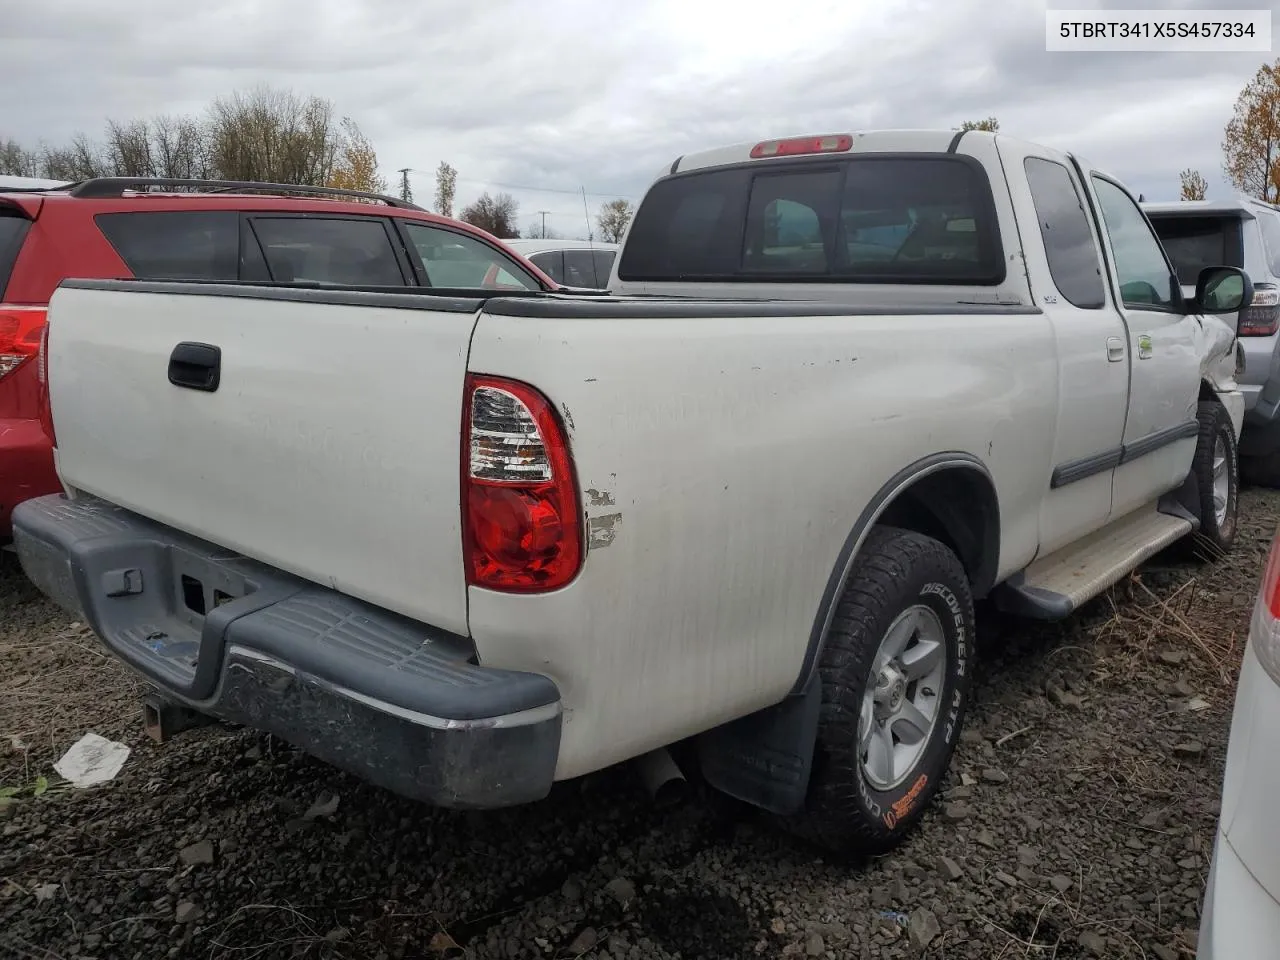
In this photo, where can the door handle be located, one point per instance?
(1115, 349)
(196, 366)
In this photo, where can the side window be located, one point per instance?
(1270, 224)
(550, 262)
(13, 231)
(580, 268)
(1145, 278)
(353, 252)
(175, 245)
(1064, 228)
(454, 260)
(604, 264)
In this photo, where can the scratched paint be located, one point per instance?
(600, 498)
(602, 531)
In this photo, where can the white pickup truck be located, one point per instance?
(465, 545)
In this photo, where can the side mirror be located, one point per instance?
(1223, 290)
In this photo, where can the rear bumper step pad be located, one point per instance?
(393, 701)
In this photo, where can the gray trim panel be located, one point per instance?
(1075, 470)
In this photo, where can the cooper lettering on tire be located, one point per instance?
(895, 683)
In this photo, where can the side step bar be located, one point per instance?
(1057, 585)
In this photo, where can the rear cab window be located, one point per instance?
(1196, 242)
(918, 219)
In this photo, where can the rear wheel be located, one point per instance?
(895, 685)
(1217, 471)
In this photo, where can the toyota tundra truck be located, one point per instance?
(467, 544)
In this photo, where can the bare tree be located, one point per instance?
(17, 161)
(613, 219)
(274, 135)
(128, 149)
(990, 125)
(494, 214)
(446, 189)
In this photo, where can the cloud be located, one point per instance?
(570, 94)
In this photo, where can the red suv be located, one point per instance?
(206, 230)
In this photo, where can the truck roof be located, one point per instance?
(866, 141)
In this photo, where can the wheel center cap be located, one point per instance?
(897, 693)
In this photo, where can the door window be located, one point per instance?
(350, 251)
(456, 261)
(1144, 274)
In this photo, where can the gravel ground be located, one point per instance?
(1078, 820)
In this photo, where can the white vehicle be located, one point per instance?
(874, 377)
(576, 263)
(1241, 913)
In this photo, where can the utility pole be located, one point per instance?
(544, 222)
(405, 193)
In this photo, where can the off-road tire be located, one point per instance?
(1214, 541)
(895, 570)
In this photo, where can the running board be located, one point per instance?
(1059, 584)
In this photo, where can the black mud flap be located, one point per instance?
(764, 758)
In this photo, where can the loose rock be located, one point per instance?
(622, 890)
(814, 946)
(186, 912)
(584, 941)
(948, 869)
(1188, 748)
(197, 853)
(1094, 942)
(922, 928)
(992, 775)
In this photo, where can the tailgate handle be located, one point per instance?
(196, 366)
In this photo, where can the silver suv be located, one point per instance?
(1241, 232)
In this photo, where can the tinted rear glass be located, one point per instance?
(175, 245)
(582, 269)
(550, 262)
(351, 251)
(1194, 243)
(13, 230)
(871, 219)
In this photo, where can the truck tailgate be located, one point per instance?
(329, 448)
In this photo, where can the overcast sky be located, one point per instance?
(565, 94)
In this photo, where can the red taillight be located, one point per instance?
(797, 146)
(20, 328)
(521, 526)
(1271, 579)
(42, 377)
